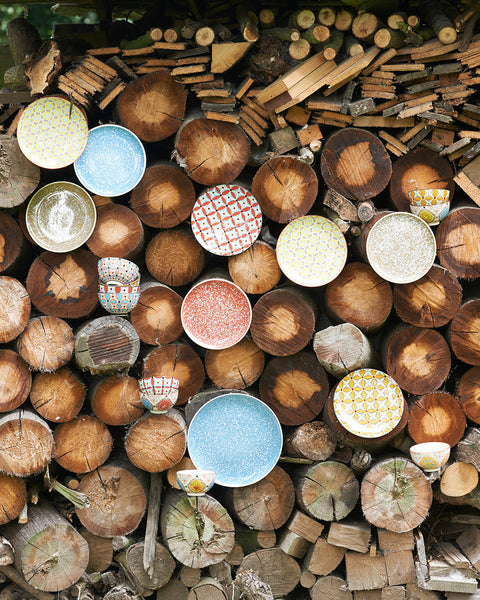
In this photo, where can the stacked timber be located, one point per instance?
(325, 113)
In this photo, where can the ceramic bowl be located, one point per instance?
(118, 271)
(158, 394)
(195, 482)
(429, 197)
(118, 299)
(433, 214)
(430, 456)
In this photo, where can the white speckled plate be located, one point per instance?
(368, 403)
(52, 132)
(401, 247)
(238, 437)
(311, 251)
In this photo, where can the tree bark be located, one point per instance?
(58, 396)
(211, 152)
(152, 106)
(237, 367)
(116, 400)
(468, 395)
(464, 333)
(15, 380)
(16, 308)
(118, 232)
(164, 197)
(314, 440)
(82, 444)
(285, 188)
(468, 448)
(13, 497)
(437, 417)
(275, 568)
(457, 246)
(46, 344)
(294, 387)
(256, 270)
(64, 285)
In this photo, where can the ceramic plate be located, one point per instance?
(226, 220)
(60, 216)
(368, 403)
(401, 247)
(113, 162)
(238, 437)
(311, 251)
(52, 132)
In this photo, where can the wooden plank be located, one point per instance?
(400, 567)
(227, 117)
(381, 60)
(384, 122)
(353, 535)
(305, 526)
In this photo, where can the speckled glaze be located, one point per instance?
(237, 436)
(430, 456)
(195, 482)
(113, 161)
(118, 300)
(158, 394)
(118, 271)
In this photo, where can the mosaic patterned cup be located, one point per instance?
(431, 205)
(430, 456)
(158, 394)
(118, 299)
(195, 482)
(118, 271)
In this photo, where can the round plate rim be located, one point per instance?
(410, 216)
(31, 204)
(298, 281)
(382, 433)
(268, 411)
(107, 193)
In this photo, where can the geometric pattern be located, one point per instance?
(368, 403)
(311, 251)
(429, 197)
(226, 219)
(52, 132)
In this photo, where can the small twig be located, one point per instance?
(151, 529)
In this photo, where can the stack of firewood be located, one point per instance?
(321, 111)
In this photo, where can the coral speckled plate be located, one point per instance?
(311, 251)
(368, 403)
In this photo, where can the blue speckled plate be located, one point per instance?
(238, 437)
(113, 161)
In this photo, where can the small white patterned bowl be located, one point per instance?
(195, 482)
(118, 299)
(118, 271)
(429, 197)
(158, 394)
(430, 456)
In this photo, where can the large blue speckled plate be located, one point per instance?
(238, 437)
(113, 161)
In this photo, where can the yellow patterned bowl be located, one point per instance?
(430, 456)
(195, 482)
(430, 205)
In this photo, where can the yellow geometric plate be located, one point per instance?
(368, 403)
(52, 132)
(311, 251)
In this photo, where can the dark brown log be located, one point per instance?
(285, 188)
(283, 321)
(26, 443)
(180, 361)
(265, 505)
(197, 537)
(457, 246)
(437, 417)
(464, 333)
(118, 232)
(354, 163)
(396, 495)
(256, 270)
(359, 296)
(421, 168)
(12, 242)
(467, 393)
(163, 566)
(417, 358)
(275, 568)
(155, 442)
(116, 400)
(58, 396)
(189, 576)
(23, 39)
(117, 494)
(237, 367)
(152, 106)
(16, 307)
(64, 285)
(327, 490)
(164, 197)
(432, 301)
(15, 380)
(13, 497)
(156, 317)
(211, 152)
(46, 343)
(43, 67)
(314, 440)
(49, 552)
(106, 345)
(100, 551)
(82, 444)
(294, 387)
(174, 590)
(174, 257)
(208, 588)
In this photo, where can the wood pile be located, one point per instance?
(317, 112)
